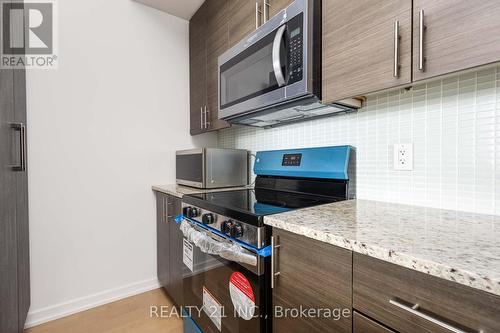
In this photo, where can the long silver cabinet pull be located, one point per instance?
(201, 117)
(273, 274)
(396, 49)
(21, 128)
(258, 12)
(165, 212)
(266, 10)
(415, 311)
(207, 113)
(169, 208)
(421, 32)
(204, 112)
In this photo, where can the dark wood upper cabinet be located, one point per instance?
(359, 41)
(242, 20)
(245, 17)
(312, 275)
(217, 43)
(459, 34)
(275, 6)
(208, 38)
(197, 71)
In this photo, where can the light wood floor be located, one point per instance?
(128, 315)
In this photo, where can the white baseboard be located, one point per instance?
(84, 303)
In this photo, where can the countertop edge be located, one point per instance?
(460, 276)
(179, 190)
(166, 191)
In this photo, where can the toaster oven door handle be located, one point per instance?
(278, 73)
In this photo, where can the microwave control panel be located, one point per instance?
(296, 49)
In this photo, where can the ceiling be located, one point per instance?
(180, 8)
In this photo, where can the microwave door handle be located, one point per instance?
(277, 56)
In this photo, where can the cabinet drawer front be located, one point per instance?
(410, 301)
(363, 324)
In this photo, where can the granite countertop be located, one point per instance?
(179, 190)
(456, 246)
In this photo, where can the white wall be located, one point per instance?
(103, 128)
(454, 124)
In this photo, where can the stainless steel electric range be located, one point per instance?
(227, 247)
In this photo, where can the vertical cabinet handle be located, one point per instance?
(168, 209)
(421, 31)
(266, 10)
(396, 49)
(164, 211)
(258, 12)
(201, 117)
(207, 112)
(21, 128)
(273, 273)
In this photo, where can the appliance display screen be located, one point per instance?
(295, 33)
(292, 159)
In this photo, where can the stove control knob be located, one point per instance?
(208, 218)
(236, 230)
(191, 212)
(226, 226)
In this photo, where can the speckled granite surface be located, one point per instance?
(457, 246)
(179, 191)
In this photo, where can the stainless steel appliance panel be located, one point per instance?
(256, 74)
(212, 167)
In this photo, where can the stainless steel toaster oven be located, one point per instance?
(212, 167)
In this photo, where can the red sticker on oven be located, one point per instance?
(242, 295)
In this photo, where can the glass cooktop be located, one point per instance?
(261, 202)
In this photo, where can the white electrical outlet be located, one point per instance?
(403, 156)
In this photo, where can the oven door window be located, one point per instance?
(251, 73)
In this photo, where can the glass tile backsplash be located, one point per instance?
(453, 123)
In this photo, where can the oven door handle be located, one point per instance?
(227, 250)
(278, 73)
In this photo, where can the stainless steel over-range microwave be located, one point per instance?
(273, 76)
(212, 167)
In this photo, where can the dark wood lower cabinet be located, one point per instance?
(169, 245)
(314, 276)
(176, 252)
(382, 297)
(409, 301)
(362, 324)
(162, 240)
